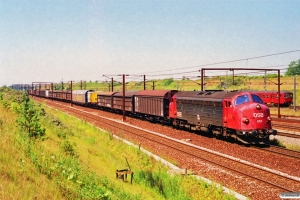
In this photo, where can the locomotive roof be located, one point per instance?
(209, 95)
(157, 93)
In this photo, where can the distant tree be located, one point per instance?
(168, 81)
(272, 75)
(57, 87)
(293, 69)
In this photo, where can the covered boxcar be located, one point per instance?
(66, 95)
(104, 100)
(117, 101)
(153, 104)
(81, 97)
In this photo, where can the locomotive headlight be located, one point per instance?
(258, 107)
(245, 120)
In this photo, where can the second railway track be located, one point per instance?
(282, 151)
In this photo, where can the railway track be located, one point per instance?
(290, 135)
(282, 151)
(290, 120)
(251, 172)
(287, 127)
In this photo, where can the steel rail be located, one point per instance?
(281, 151)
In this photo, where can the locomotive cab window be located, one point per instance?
(257, 99)
(288, 96)
(242, 99)
(228, 104)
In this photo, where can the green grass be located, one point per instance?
(293, 147)
(285, 111)
(18, 176)
(285, 145)
(277, 143)
(78, 161)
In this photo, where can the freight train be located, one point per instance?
(240, 115)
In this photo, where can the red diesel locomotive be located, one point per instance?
(241, 115)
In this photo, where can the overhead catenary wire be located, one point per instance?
(170, 72)
(225, 62)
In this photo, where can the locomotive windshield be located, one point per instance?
(288, 95)
(257, 99)
(242, 99)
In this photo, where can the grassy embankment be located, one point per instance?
(75, 160)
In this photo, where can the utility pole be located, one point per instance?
(40, 86)
(265, 80)
(233, 77)
(226, 79)
(294, 93)
(52, 91)
(144, 82)
(71, 87)
(124, 118)
(112, 84)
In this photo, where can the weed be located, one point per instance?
(69, 148)
(1, 123)
(169, 187)
(6, 104)
(276, 143)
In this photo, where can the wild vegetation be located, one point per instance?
(46, 154)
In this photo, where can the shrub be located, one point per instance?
(168, 81)
(69, 148)
(29, 119)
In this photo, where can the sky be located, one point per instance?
(64, 40)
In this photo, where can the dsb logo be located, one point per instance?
(257, 115)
